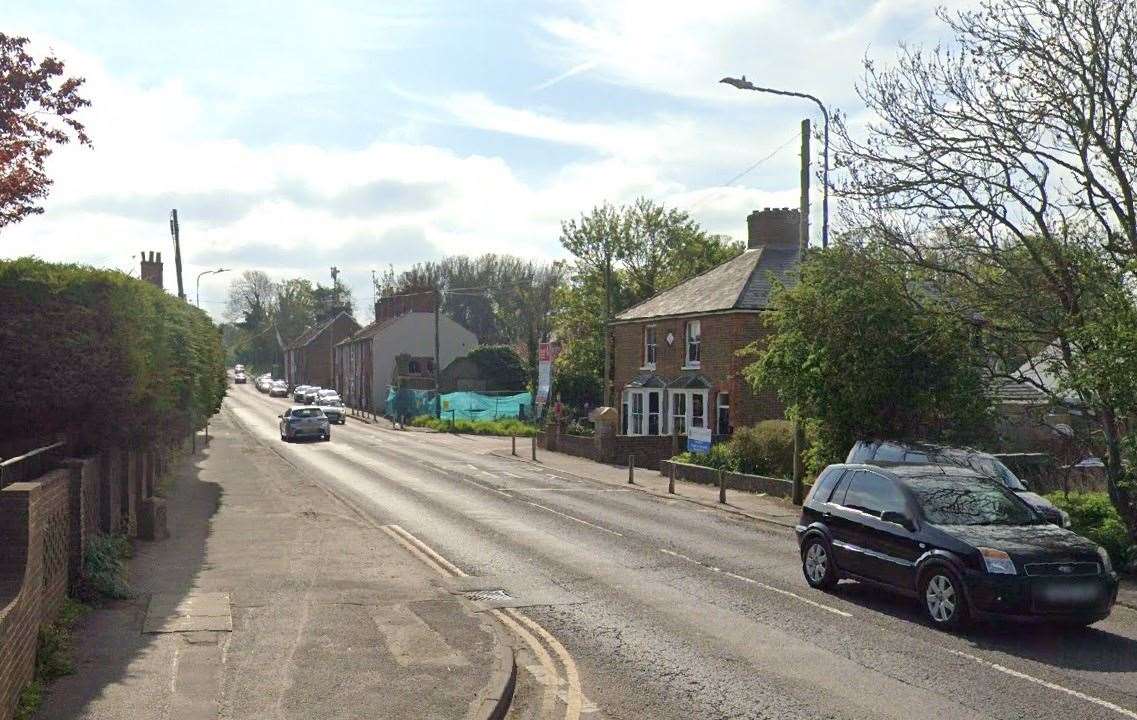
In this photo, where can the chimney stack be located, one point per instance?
(395, 305)
(772, 227)
(152, 268)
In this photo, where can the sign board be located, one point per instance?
(546, 353)
(699, 440)
(445, 404)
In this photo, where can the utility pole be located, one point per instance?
(174, 230)
(437, 387)
(607, 322)
(803, 243)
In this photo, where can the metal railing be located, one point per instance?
(31, 464)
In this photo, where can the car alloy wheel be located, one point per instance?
(943, 600)
(817, 566)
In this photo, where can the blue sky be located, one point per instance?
(296, 135)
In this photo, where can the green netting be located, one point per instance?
(459, 405)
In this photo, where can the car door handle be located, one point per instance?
(827, 515)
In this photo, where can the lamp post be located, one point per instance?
(743, 84)
(197, 283)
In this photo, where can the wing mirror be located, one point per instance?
(897, 518)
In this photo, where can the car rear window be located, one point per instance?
(823, 487)
(307, 413)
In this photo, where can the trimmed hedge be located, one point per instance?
(103, 357)
(765, 449)
(1093, 516)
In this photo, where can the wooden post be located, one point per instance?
(631, 469)
(671, 479)
(513, 444)
(799, 469)
(722, 487)
(534, 447)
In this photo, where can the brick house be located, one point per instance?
(308, 358)
(676, 364)
(398, 345)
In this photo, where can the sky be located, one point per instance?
(296, 136)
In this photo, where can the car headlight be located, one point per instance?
(998, 562)
(1106, 565)
(1065, 518)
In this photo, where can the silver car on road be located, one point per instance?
(304, 421)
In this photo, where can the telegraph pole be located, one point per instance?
(803, 243)
(437, 386)
(177, 252)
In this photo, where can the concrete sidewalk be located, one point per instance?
(273, 599)
(759, 507)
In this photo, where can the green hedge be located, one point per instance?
(504, 427)
(765, 449)
(1093, 516)
(102, 356)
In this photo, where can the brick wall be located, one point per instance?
(33, 573)
(722, 337)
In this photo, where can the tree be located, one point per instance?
(1003, 170)
(295, 307)
(329, 302)
(854, 356)
(252, 298)
(37, 105)
(500, 366)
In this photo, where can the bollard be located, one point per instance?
(631, 469)
(513, 445)
(722, 487)
(671, 480)
(534, 448)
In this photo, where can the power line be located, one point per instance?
(719, 189)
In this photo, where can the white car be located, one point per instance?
(279, 389)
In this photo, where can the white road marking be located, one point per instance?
(504, 472)
(758, 583)
(1049, 685)
(578, 489)
(575, 519)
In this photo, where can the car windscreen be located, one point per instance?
(307, 413)
(961, 500)
(999, 471)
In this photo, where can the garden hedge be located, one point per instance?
(103, 357)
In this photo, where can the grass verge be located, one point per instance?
(504, 427)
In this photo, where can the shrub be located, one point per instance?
(1093, 516)
(103, 569)
(503, 427)
(765, 449)
(720, 457)
(581, 428)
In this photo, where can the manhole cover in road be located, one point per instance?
(488, 596)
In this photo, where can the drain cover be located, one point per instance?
(488, 595)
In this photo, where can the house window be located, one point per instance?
(649, 346)
(643, 412)
(413, 369)
(694, 341)
(679, 414)
(723, 426)
(688, 410)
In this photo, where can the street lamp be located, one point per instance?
(197, 284)
(743, 84)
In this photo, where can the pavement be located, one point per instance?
(669, 608)
(274, 598)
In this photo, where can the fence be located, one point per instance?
(31, 464)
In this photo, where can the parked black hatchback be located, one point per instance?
(964, 546)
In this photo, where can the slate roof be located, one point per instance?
(742, 283)
(312, 333)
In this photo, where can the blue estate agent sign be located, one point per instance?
(699, 440)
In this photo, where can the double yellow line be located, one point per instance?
(517, 623)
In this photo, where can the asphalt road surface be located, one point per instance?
(671, 610)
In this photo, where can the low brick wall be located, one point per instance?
(34, 539)
(569, 444)
(775, 487)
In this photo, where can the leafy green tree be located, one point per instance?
(854, 356)
(500, 366)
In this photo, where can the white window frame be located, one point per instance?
(677, 420)
(719, 407)
(697, 344)
(688, 410)
(642, 398)
(653, 347)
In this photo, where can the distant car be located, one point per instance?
(279, 389)
(238, 368)
(239, 377)
(964, 546)
(886, 452)
(298, 393)
(264, 383)
(304, 421)
(327, 392)
(311, 394)
(333, 407)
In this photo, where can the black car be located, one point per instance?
(888, 452)
(964, 546)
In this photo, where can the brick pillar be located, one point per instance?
(110, 491)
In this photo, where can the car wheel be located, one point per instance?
(817, 564)
(944, 603)
(327, 436)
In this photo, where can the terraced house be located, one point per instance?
(676, 354)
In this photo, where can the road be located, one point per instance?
(672, 610)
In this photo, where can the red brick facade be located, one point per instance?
(723, 335)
